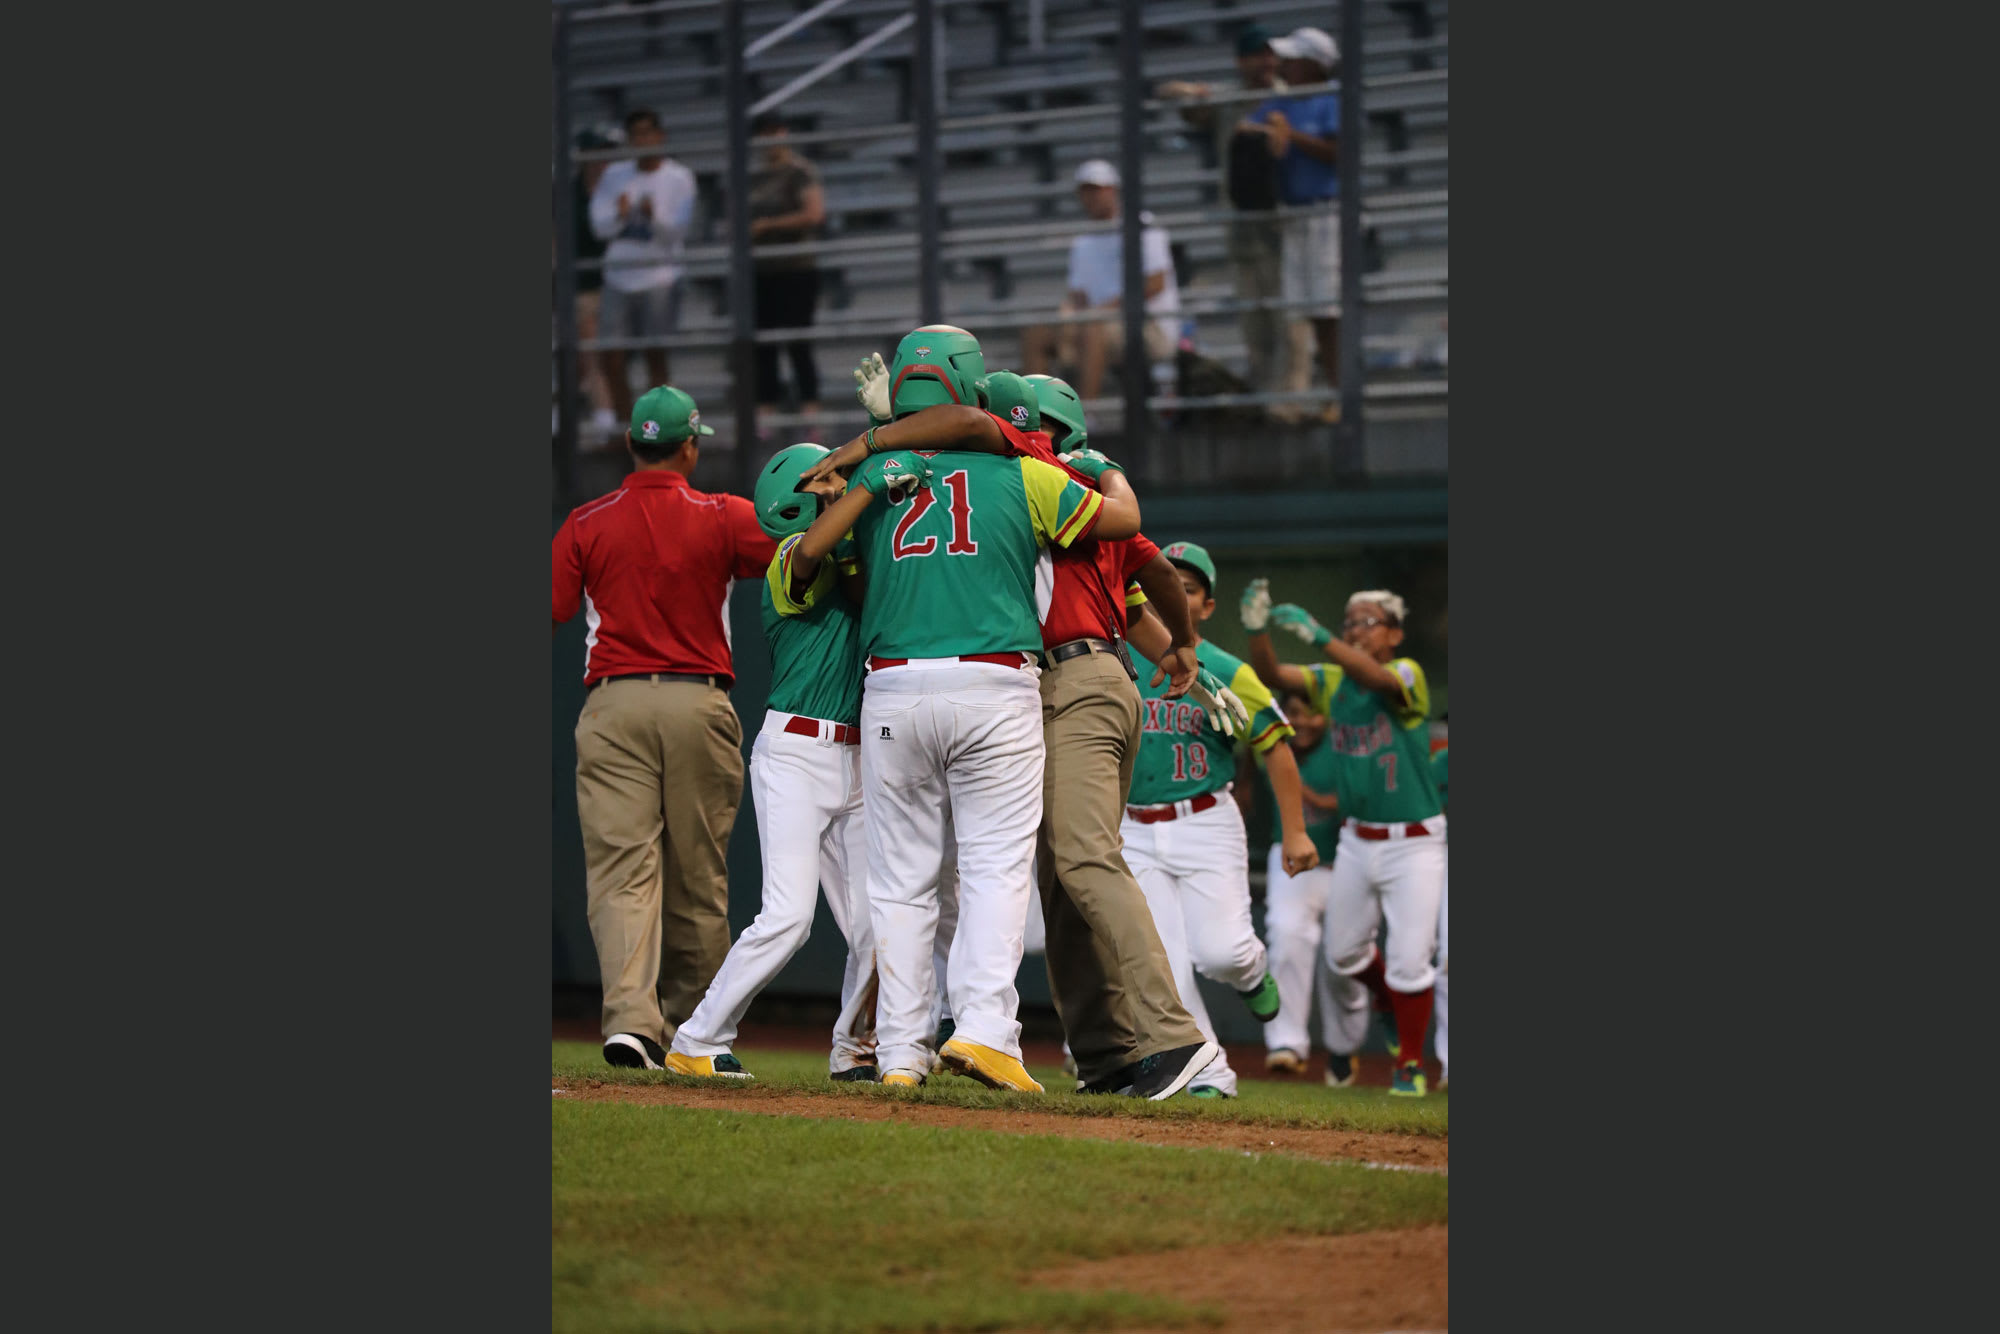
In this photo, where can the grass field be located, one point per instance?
(702, 1218)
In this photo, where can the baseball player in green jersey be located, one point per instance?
(1109, 974)
(1392, 862)
(1295, 912)
(805, 778)
(1184, 836)
(951, 710)
(1441, 775)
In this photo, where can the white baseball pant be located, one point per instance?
(1294, 922)
(811, 835)
(1400, 879)
(1196, 874)
(965, 738)
(1444, 965)
(1034, 934)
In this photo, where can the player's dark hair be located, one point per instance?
(653, 451)
(641, 116)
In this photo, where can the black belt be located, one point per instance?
(661, 676)
(1076, 648)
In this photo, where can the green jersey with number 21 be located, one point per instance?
(951, 570)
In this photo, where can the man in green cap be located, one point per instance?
(659, 761)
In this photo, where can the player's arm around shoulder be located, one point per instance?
(791, 594)
(1062, 509)
(836, 521)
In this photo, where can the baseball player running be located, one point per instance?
(950, 714)
(1295, 909)
(805, 778)
(1392, 863)
(1184, 838)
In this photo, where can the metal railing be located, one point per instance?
(1138, 116)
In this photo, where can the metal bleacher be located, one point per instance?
(1009, 208)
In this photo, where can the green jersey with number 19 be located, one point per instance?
(951, 569)
(1181, 754)
(1384, 776)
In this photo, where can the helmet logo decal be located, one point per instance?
(1020, 416)
(923, 352)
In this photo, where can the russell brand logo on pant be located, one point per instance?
(887, 735)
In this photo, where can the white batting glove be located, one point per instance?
(1256, 605)
(871, 386)
(1224, 710)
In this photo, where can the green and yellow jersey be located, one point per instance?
(1181, 754)
(1383, 774)
(1318, 770)
(951, 570)
(815, 640)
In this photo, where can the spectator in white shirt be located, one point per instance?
(1096, 281)
(642, 209)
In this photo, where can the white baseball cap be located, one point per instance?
(1097, 172)
(1307, 44)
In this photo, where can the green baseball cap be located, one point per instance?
(666, 416)
(1194, 558)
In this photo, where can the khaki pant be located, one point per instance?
(1108, 972)
(659, 774)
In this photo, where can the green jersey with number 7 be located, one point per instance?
(1384, 770)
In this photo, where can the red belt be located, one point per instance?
(803, 726)
(1155, 814)
(1410, 830)
(1004, 659)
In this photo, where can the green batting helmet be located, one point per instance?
(1009, 397)
(935, 364)
(782, 509)
(1060, 406)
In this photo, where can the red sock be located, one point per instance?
(1377, 982)
(1413, 1017)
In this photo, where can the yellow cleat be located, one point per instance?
(907, 1079)
(724, 1066)
(1284, 1061)
(995, 1069)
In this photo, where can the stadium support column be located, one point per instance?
(742, 297)
(1350, 451)
(563, 195)
(1137, 373)
(924, 105)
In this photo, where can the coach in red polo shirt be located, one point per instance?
(659, 748)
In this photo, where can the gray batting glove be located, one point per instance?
(871, 386)
(1225, 712)
(1256, 605)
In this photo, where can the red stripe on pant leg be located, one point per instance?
(1413, 1017)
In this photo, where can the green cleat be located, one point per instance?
(1263, 1001)
(1409, 1080)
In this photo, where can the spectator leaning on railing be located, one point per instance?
(1251, 175)
(1096, 282)
(642, 209)
(1305, 138)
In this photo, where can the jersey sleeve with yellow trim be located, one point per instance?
(778, 578)
(1322, 679)
(847, 554)
(1135, 596)
(1063, 508)
(1416, 707)
(1268, 725)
